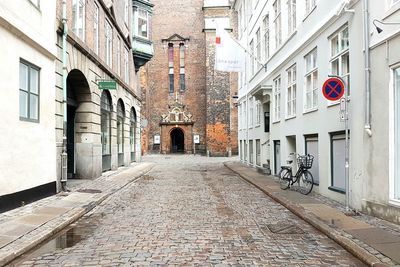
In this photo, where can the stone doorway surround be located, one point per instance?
(177, 117)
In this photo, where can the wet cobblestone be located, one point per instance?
(193, 211)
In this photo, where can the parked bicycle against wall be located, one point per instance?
(303, 176)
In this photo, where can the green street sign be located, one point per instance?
(107, 85)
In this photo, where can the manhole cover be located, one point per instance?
(147, 177)
(284, 228)
(90, 191)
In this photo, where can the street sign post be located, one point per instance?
(333, 89)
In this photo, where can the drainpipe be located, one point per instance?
(64, 155)
(367, 69)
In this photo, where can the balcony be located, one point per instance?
(142, 50)
(142, 46)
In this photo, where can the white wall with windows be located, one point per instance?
(302, 43)
(27, 158)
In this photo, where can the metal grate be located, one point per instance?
(284, 228)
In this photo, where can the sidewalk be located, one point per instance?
(374, 241)
(24, 228)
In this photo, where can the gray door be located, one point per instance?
(312, 149)
(277, 156)
(337, 162)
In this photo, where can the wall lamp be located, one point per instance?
(378, 29)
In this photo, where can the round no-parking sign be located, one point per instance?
(333, 89)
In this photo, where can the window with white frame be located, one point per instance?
(291, 16)
(249, 8)
(251, 112)
(266, 37)
(251, 152)
(78, 18)
(311, 81)
(126, 65)
(258, 113)
(96, 28)
(340, 60)
(277, 98)
(109, 38)
(252, 57)
(28, 91)
(240, 117)
(244, 115)
(142, 23)
(119, 55)
(258, 49)
(277, 23)
(310, 4)
(291, 92)
(396, 176)
(240, 21)
(126, 11)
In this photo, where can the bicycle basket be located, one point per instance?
(305, 161)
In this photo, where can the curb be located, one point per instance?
(80, 212)
(310, 218)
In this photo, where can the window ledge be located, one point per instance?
(258, 126)
(290, 117)
(309, 13)
(277, 121)
(333, 103)
(393, 9)
(394, 202)
(336, 189)
(310, 110)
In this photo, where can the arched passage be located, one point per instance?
(78, 92)
(177, 141)
(106, 109)
(132, 133)
(120, 131)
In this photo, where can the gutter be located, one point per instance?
(64, 155)
(367, 69)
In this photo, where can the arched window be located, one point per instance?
(120, 131)
(132, 133)
(106, 108)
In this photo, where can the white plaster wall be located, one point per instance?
(313, 31)
(27, 149)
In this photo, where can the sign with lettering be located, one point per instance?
(107, 85)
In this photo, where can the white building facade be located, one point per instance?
(297, 45)
(27, 146)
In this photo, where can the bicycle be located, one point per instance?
(303, 176)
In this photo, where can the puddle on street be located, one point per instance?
(67, 238)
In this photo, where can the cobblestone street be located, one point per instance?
(191, 210)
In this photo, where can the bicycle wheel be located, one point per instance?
(306, 182)
(284, 178)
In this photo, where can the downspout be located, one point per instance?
(64, 154)
(367, 69)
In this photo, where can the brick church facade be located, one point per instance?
(189, 107)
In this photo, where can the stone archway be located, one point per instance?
(177, 140)
(78, 97)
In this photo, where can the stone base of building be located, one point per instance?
(18, 199)
(384, 211)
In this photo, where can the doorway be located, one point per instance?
(177, 141)
(277, 156)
